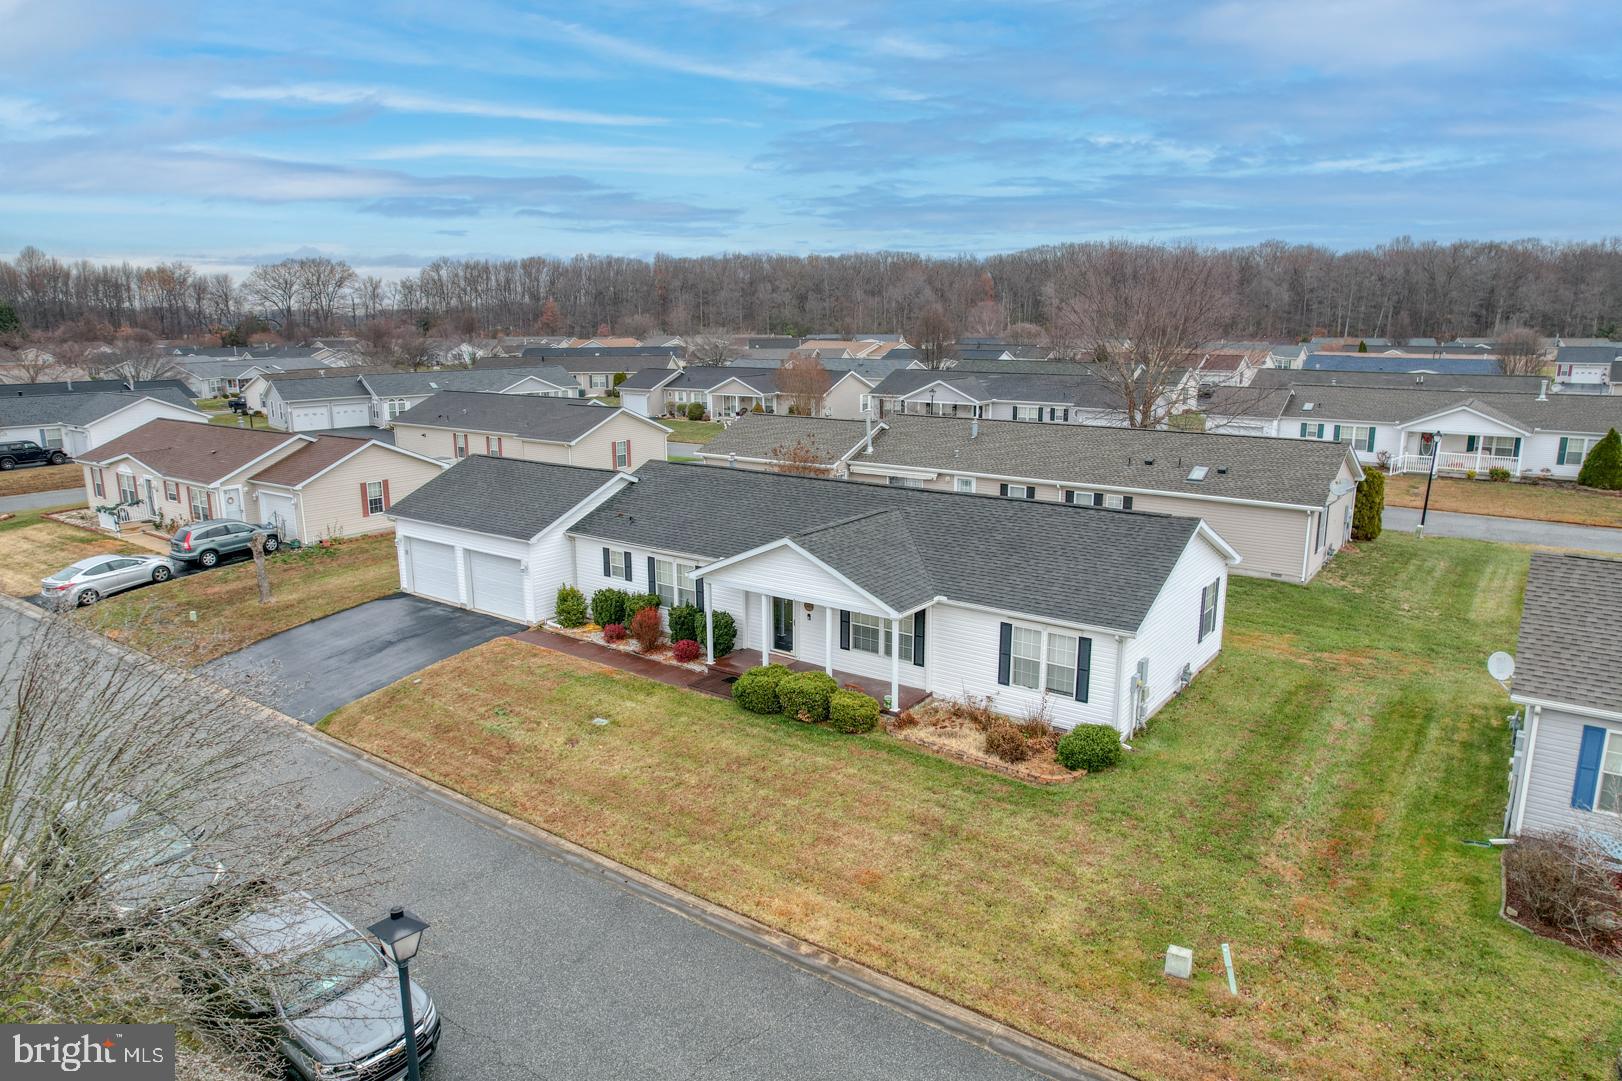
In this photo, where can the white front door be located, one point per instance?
(496, 584)
(433, 570)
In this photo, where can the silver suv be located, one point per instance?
(205, 542)
(335, 999)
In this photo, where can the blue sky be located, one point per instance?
(393, 133)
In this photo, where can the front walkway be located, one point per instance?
(1587, 538)
(716, 682)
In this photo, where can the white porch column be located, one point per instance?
(765, 625)
(895, 664)
(1478, 453)
(709, 630)
(827, 639)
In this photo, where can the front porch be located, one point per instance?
(728, 668)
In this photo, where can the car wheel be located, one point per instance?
(272, 543)
(88, 596)
(208, 559)
(58, 458)
(8, 463)
(162, 574)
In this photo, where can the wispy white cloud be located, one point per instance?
(620, 158)
(786, 70)
(405, 101)
(24, 118)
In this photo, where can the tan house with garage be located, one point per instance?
(456, 424)
(312, 487)
(1284, 506)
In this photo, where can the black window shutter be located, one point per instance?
(1002, 490)
(1199, 635)
(844, 629)
(1126, 502)
(1084, 665)
(1005, 653)
(698, 592)
(627, 566)
(653, 582)
(608, 572)
(1098, 499)
(918, 639)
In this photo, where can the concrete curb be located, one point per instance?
(1038, 1056)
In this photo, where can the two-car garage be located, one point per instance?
(336, 413)
(465, 575)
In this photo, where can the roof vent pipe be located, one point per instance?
(732, 460)
(869, 437)
(974, 428)
(1543, 390)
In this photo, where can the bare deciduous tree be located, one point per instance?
(1143, 313)
(803, 458)
(934, 337)
(712, 346)
(261, 574)
(274, 287)
(805, 382)
(1520, 349)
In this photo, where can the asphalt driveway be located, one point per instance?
(312, 669)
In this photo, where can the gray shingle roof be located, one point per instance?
(319, 389)
(1259, 468)
(1588, 354)
(647, 378)
(555, 420)
(1085, 565)
(1570, 646)
(478, 379)
(1492, 384)
(757, 435)
(78, 409)
(1596, 413)
(507, 497)
(1374, 362)
(1079, 389)
(602, 359)
(90, 386)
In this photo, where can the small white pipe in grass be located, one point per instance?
(1227, 959)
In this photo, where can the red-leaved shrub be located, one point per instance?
(645, 628)
(686, 650)
(614, 632)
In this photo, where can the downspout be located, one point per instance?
(1306, 549)
(1535, 714)
(1120, 670)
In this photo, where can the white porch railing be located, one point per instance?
(1455, 462)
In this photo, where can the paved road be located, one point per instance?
(545, 967)
(1589, 538)
(61, 497)
(317, 667)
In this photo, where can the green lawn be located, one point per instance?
(1306, 801)
(691, 431)
(230, 420)
(1544, 502)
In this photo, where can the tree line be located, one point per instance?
(1271, 291)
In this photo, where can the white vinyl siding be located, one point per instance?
(1169, 638)
(1552, 774)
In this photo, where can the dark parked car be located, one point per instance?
(238, 405)
(206, 542)
(334, 998)
(18, 452)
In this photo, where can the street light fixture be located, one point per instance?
(400, 936)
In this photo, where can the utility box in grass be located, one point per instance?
(1179, 962)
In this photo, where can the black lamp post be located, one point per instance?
(400, 935)
(1434, 441)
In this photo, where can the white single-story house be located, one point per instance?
(1567, 769)
(312, 486)
(1285, 507)
(1525, 433)
(374, 398)
(455, 424)
(1069, 394)
(80, 421)
(1593, 369)
(1086, 613)
(594, 369)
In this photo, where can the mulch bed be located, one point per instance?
(937, 726)
(661, 652)
(1518, 912)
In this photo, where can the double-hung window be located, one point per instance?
(1208, 608)
(1060, 674)
(963, 484)
(1045, 661)
(904, 482)
(1609, 795)
(1025, 659)
(50, 438)
(199, 504)
(97, 485)
(126, 489)
(1498, 446)
(864, 404)
(1017, 491)
(871, 634)
(1573, 449)
(1311, 431)
(622, 454)
(1098, 499)
(459, 442)
(674, 583)
(1027, 412)
(171, 491)
(374, 497)
(599, 381)
(1360, 436)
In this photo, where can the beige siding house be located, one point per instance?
(338, 487)
(1285, 507)
(458, 424)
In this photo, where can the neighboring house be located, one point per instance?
(215, 377)
(1285, 507)
(156, 387)
(375, 397)
(1403, 362)
(332, 400)
(82, 421)
(1273, 378)
(733, 389)
(1525, 433)
(569, 431)
(594, 369)
(1228, 368)
(1567, 769)
(1088, 614)
(1060, 398)
(314, 487)
(1595, 369)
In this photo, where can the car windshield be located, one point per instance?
(154, 845)
(324, 974)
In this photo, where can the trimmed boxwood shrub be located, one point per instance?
(756, 689)
(635, 602)
(695, 410)
(686, 622)
(726, 632)
(613, 632)
(1091, 747)
(608, 606)
(806, 694)
(571, 607)
(685, 650)
(852, 711)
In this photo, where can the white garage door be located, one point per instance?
(311, 418)
(279, 510)
(433, 570)
(353, 415)
(497, 584)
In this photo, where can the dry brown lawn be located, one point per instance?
(32, 546)
(1543, 502)
(305, 585)
(1306, 801)
(42, 478)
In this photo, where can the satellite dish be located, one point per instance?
(1500, 666)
